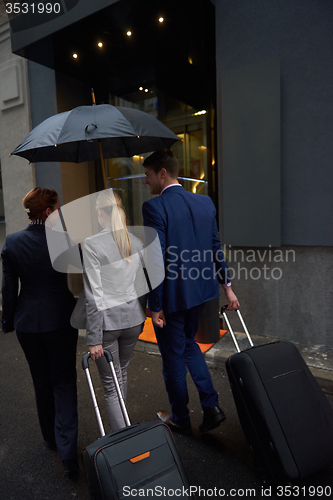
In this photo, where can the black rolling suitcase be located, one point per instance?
(138, 460)
(285, 416)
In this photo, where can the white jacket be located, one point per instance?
(112, 285)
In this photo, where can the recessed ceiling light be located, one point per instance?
(100, 44)
(140, 88)
(75, 56)
(161, 19)
(146, 90)
(129, 33)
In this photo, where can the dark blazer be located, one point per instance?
(194, 260)
(44, 301)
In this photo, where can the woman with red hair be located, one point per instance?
(37, 303)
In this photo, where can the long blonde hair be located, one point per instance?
(110, 202)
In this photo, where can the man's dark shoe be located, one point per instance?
(71, 468)
(51, 445)
(212, 418)
(166, 418)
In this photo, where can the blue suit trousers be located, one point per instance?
(180, 353)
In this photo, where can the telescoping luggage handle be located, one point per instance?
(223, 309)
(85, 366)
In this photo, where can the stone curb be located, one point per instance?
(217, 356)
(318, 358)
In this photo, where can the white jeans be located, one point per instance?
(121, 344)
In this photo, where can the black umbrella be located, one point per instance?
(92, 132)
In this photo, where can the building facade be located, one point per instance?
(247, 86)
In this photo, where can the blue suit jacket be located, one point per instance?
(44, 302)
(193, 257)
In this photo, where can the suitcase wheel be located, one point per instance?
(263, 477)
(265, 482)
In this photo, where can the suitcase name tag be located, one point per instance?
(140, 457)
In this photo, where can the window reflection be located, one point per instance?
(194, 151)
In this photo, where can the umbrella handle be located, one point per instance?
(99, 142)
(100, 153)
(102, 161)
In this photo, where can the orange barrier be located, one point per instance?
(148, 335)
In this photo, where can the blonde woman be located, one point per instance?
(115, 317)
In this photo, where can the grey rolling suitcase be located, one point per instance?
(138, 460)
(285, 416)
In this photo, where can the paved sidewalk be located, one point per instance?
(218, 462)
(318, 358)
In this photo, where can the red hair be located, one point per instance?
(38, 200)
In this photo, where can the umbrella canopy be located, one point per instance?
(77, 135)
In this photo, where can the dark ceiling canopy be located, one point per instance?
(178, 54)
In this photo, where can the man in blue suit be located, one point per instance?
(194, 265)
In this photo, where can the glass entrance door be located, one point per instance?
(194, 151)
